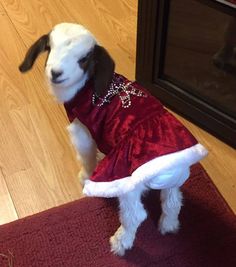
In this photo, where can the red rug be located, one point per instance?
(77, 234)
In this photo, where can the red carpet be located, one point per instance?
(76, 234)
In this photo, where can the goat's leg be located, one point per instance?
(132, 214)
(86, 149)
(171, 202)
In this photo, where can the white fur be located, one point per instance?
(132, 214)
(68, 43)
(171, 202)
(86, 149)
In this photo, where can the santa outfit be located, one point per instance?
(142, 141)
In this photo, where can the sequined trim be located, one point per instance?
(121, 88)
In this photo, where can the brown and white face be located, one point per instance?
(73, 57)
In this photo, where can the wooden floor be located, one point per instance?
(37, 163)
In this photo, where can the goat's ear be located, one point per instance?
(103, 70)
(39, 46)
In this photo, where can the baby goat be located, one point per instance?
(145, 147)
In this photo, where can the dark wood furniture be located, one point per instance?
(186, 57)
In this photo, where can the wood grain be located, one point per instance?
(7, 209)
(37, 162)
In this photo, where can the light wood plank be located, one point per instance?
(7, 209)
(35, 149)
(33, 193)
(52, 160)
(12, 155)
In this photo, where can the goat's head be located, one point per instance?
(74, 57)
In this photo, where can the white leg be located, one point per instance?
(171, 202)
(86, 149)
(132, 214)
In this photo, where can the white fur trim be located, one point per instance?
(160, 173)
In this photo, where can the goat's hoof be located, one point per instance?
(121, 241)
(168, 225)
(116, 246)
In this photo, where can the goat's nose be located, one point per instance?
(56, 74)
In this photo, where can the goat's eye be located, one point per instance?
(83, 60)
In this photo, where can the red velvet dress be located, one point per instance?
(129, 136)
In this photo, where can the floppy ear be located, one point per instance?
(103, 70)
(39, 46)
